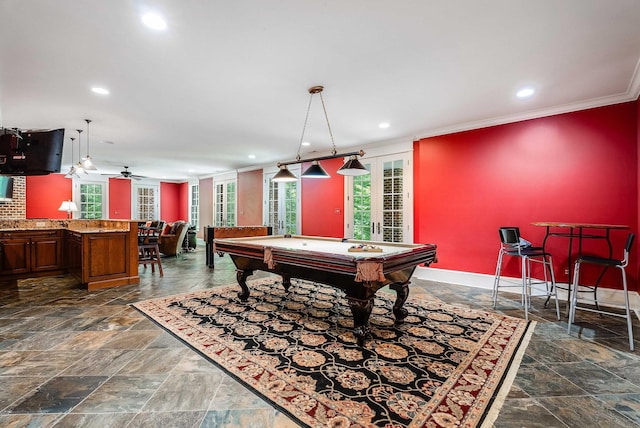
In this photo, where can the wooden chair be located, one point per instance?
(148, 251)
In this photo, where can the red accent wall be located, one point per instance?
(183, 202)
(636, 246)
(45, 193)
(250, 198)
(119, 199)
(170, 200)
(323, 202)
(574, 167)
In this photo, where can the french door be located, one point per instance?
(379, 206)
(145, 202)
(281, 204)
(225, 203)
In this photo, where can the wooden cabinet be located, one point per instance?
(103, 259)
(30, 253)
(100, 254)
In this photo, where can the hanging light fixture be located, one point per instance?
(79, 167)
(284, 175)
(87, 163)
(351, 167)
(72, 170)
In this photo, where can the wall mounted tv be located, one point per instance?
(37, 152)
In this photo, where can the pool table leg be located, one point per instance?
(361, 310)
(286, 282)
(402, 294)
(241, 276)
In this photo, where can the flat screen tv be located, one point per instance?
(30, 152)
(6, 188)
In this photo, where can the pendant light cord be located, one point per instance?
(312, 91)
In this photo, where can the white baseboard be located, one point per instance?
(606, 296)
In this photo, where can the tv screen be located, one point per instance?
(6, 188)
(30, 152)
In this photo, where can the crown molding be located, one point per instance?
(630, 95)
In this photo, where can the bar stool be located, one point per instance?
(605, 262)
(148, 250)
(512, 245)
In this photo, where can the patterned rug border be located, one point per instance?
(490, 412)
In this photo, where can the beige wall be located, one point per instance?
(249, 193)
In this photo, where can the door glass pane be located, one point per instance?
(146, 199)
(195, 205)
(362, 206)
(219, 206)
(290, 207)
(273, 206)
(392, 201)
(231, 204)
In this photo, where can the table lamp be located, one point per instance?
(68, 206)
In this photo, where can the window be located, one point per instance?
(91, 201)
(194, 209)
(146, 202)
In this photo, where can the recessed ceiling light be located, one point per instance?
(252, 156)
(525, 92)
(192, 170)
(306, 143)
(154, 21)
(101, 91)
(383, 125)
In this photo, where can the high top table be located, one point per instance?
(577, 230)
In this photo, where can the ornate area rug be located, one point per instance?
(443, 366)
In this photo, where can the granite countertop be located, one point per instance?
(80, 226)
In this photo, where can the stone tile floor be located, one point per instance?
(74, 358)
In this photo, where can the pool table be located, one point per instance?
(360, 273)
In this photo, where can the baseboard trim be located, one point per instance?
(606, 296)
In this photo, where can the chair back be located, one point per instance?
(627, 249)
(509, 235)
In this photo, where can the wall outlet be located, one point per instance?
(40, 223)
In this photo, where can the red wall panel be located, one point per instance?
(119, 199)
(170, 199)
(323, 202)
(575, 167)
(45, 193)
(183, 201)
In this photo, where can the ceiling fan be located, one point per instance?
(125, 173)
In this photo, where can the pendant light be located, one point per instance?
(72, 170)
(351, 167)
(79, 167)
(87, 163)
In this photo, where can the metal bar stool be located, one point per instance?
(511, 245)
(606, 262)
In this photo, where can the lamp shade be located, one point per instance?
(87, 164)
(316, 171)
(353, 167)
(68, 206)
(284, 175)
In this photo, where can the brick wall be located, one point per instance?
(17, 208)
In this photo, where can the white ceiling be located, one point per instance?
(230, 78)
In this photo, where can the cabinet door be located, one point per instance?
(15, 255)
(46, 252)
